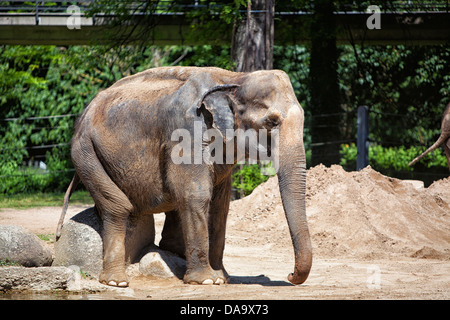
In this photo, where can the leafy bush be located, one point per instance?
(42, 90)
(249, 177)
(396, 158)
(22, 180)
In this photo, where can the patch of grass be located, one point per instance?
(33, 200)
(86, 275)
(9, 263)
(47, 237)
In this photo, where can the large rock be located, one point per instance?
(162, 264)
(22, 246)
(39, 279)
(81, 242)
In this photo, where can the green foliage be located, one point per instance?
(86, 275)
(9, 263)
(203, 56)
(50, 237)
(406, 89)
(248, 178)
(397, 158)
(349, 154)
(42, 91)
(18, 180)
(38, 83)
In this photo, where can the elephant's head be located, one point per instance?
(266, 100)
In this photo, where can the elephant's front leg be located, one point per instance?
(218, 213)
(194, 197)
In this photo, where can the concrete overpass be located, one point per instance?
(47, 25)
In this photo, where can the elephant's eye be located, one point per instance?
(240, 109)
(272, 121)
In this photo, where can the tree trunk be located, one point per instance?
(324, 86)
(252, 47)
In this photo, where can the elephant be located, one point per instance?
(444, 138)
(123, 152)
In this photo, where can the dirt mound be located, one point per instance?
(356, 214)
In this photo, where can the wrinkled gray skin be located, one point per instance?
(444, 138)
(121, 152)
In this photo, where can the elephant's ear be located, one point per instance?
(219, 109)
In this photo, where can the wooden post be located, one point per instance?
(362, 142)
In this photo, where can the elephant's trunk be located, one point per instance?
(292, 183)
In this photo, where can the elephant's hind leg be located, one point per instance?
(114, 208)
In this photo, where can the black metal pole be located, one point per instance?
(37, 12)
(362, 143)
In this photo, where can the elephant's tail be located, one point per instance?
(439, 141)
(70, 189)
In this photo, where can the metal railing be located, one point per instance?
(60, 6)
(42, 6)
(38, 8)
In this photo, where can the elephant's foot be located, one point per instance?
(205, 276)
(115, 279)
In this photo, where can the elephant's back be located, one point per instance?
(173, 75)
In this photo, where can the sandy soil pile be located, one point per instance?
(354, 214)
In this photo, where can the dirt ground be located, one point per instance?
(373, 237)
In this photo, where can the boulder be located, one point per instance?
(38, 279)
(162, 264)
(81, 242)
(22, 246)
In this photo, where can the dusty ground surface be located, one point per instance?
(373, 237)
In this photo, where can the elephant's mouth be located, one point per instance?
(266, 147)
